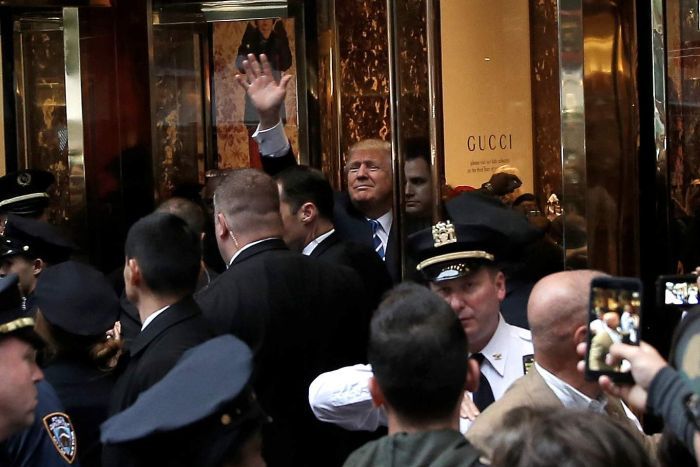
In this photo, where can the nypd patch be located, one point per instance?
(61, 432)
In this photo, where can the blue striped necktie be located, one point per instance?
(376, 241)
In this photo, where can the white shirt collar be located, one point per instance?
(570, 397)
(308, 249)
(236, 254)
(153, 316)
(496, 351)
(386, 220)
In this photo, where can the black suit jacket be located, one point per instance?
(302, 317)
(361, 258)
(350, 223)
(156, 349)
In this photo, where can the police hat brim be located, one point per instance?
(453, 265)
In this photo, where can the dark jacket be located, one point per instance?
(443, 448)
(301, 317)
(34, 446)
(360, 258)
(85, 392)
(156, 349)
(153, 353)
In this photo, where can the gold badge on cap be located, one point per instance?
(444, 233)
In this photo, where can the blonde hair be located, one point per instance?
(370, 144)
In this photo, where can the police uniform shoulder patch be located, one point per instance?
(61, 432)
(528, 363)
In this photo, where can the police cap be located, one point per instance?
(447, 251)
(197, 410)
(25, 192)
(33, 239)
(77, 298)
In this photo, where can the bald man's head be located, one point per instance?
(557, 307)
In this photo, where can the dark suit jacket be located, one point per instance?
(350, 224)
(532, 391)
(361, 258)
(301, 316)
(152, 353)
(156, 349)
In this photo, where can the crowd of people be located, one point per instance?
(307, 348)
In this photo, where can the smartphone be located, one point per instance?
(614, 315)
(677, 291)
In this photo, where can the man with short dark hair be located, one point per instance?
(306, 205)
(300, 316)
(160, 274)
(418, 351)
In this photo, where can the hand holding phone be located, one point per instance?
(614, 317)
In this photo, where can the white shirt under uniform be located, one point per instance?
(342, 396)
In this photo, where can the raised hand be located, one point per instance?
(265, 93)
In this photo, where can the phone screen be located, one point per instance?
(614, 317)
(679, 291)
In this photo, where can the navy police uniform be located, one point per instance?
(50, 441)
(77, 301)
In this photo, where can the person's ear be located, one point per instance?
(500, 283)
(580, 335)
(221, 226)
(376, 392)
(133, 275)
(38, 266)
(307, 213)
(471, 383)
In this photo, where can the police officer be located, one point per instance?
(27, 247)
(76, 314)
(48, 438)
(460, 263)
(202, 413)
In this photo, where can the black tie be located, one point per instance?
(483, 397)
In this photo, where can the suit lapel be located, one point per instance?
(177, 312)
(325, 245)
(538, 390)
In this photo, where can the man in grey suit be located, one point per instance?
(557, 312)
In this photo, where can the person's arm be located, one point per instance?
(342, 397)
(267, 96)
(666, 398)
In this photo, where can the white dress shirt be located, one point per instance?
(272, 142)
(385, 222)
(308, 249)
(572, 398)
(342, 396)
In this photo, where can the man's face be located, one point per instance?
(476, 299)
(24, 268)
(419, 188)
(265, 27)
(294, 232)
(369, 179)
(18, 393)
